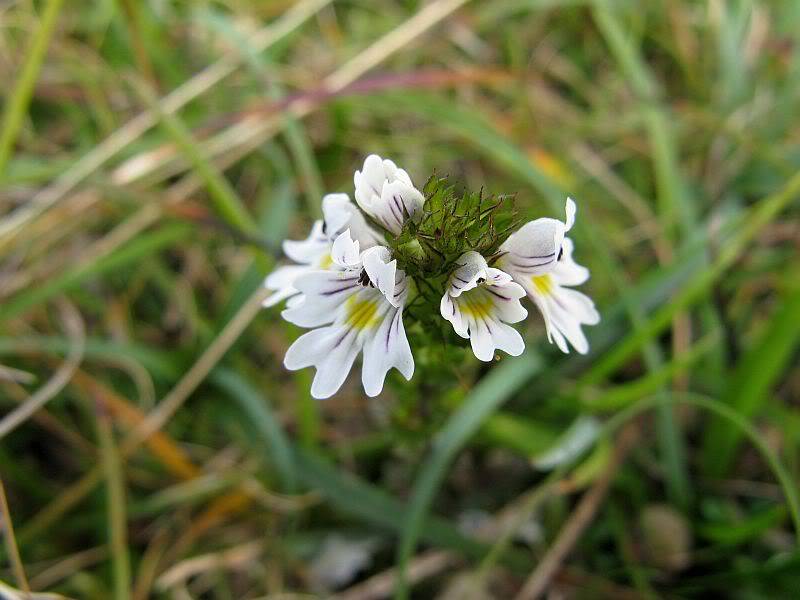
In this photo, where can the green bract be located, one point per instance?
(452, 223)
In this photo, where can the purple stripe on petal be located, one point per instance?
(493, 293)
(521, 265)
(552, 254)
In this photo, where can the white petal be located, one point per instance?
(565, 310)
(399, 201)
(481, 341)
(369, 181)
(507, 306)
(382, 271)
(470, 267)
(285, 276)
(567, 271)
(561, 342)
(395, 173)
(309, 349)
(295, 300)
(570, 328)
(345, 252)
(278, 297)
(497, 277)
(386, 193)
(340, 214)
(336, 209)
(387, 348)
(310, 250)
(579, 305)
(506, 338)
(325, 292)
(333, 371)
(481, 315)
(534, 248)
(332, 350)
(450, 312)
(570, 210)
(281, 280)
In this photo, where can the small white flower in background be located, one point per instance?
(578, 437)
(340, 560)
(314, 253)
(479, 302)
(349, 281)
(351, 314)
(539, 258)
(386, 194)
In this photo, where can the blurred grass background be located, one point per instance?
(154, 153)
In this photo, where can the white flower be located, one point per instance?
(314, 253)
(386, 194)
(479, 302)
(539, 258)
(340, 213)
(535, 247)
(352, 309)
(341, 559)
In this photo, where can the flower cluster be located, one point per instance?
(366, 265)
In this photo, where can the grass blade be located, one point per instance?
(760, 215)
(361, 500)
(753, 377)
(17, 102)
(788, 486)
(224, 197)
(116, 506)
(143, 246)
(11, 542)
(672, 200)
(485, 398)
(257, 408)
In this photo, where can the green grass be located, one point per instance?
(672, 124)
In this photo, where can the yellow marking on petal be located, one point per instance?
(326, 261)
(362, 314)
(543, 284)
(476, 303)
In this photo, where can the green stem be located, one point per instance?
(17, 103)
(117, 518)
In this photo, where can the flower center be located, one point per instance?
(476, 303)
(326, 261)
(543, 284)
(361, 314)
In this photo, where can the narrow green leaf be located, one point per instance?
(17, 101)
(116, 506)
(760, 215)
(261, 416)
(753, 378)
(741, 531)
(365, 502)
(135, 251)
(224, 197)
(162, 365)
(733, 418)
(619, 396)
(485, 398)
(672, 200)
(265, 73)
